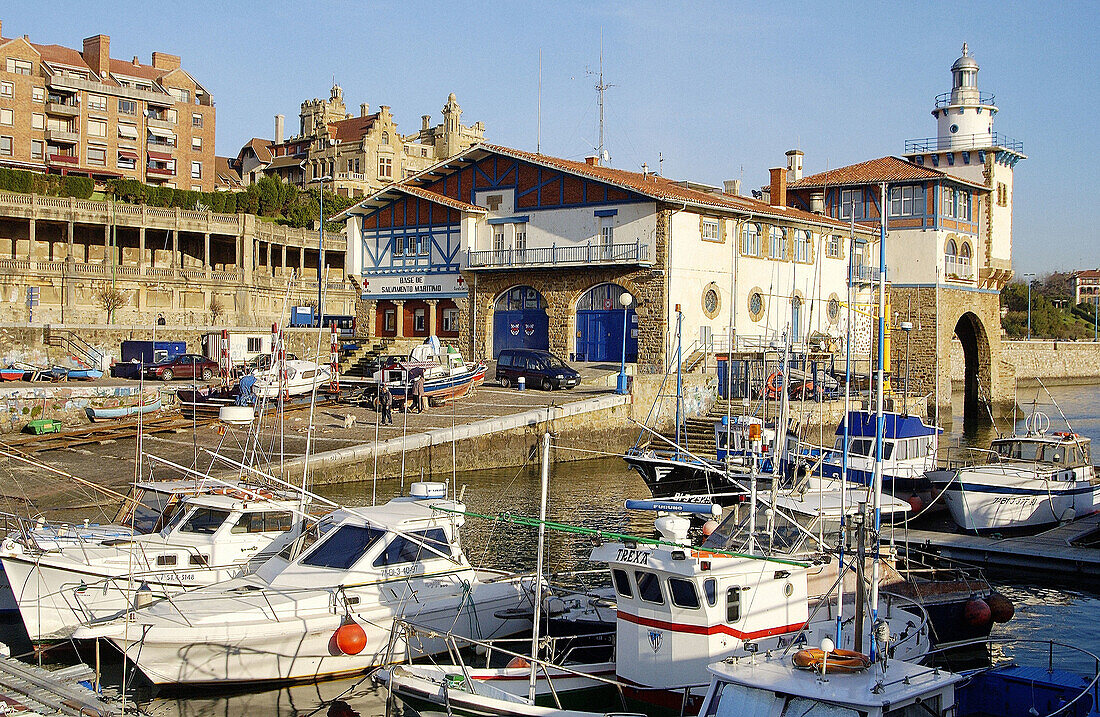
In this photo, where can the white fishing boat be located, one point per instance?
(59, 586)
(325, 604)
(1029, 481)
(298, 377)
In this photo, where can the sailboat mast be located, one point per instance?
(679, 379)
(847, 407)
(544, 475)
(880, 419)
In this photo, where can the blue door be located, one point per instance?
(600, 335)
(520, 329)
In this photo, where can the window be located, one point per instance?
(832, 247)
(5, 146)
(254, 344)
(756, 305)
(777, 244)
(802, 244)
(521, 236)
(423, 151)
(948, 202)
(263, 522)
(199, 559)
(38, 94)
(385, 138)
(19, 67)
(343, 548)
(907, 201)
(97, 156)
(7, 116)
(196, 120)
(385, 167)
(126, 161)
(833, 309)
(97, 102)
(710, 589)
(7, 89)
(421, 545)
(498, 238)
(171, 116)
(851, 204)
(127, 107)
(649, 587)
(450, 320)
(38, 121)
(180, 95)
(389, 320)
(196, 143)
(422, 244)
(750, 240)
(204, 521)
(683, 593)
(37, 147)
(622, 583)
(164, 560)
(420, 319)
(607, 232)
(708, 229)
(1002, 194)
(196, 170)
(97, 128)
(733, 604)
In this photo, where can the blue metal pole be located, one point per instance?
(620, 388)
(320, 253)
(844, 451)
(880, 418)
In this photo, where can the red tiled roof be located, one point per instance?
(62, 55)
(262, 148)
(1087, 274)
(145, 72)
(352, 129)
(664, 189)
(438, 198)
(884, 169)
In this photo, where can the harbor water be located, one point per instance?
(591, 494)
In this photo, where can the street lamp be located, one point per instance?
(1029, 277)
(321, 243)
(626, 300)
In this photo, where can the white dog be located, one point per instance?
(349, 421)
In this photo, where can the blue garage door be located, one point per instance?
(600, 335)
(520, 321)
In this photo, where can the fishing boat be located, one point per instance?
(84, 374)
(296, 377)
(12, 373)
(208, 539)
(324, 604)
(1025, 482)
(446, 374)
(151, 404)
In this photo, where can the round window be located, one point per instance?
(788, 589)
(954, 128)
(711, 301)
(756, 305)
(834, 309)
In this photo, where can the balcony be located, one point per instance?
(62, 108)
(157, 145)
(862, 274)
(958, 268)
(63, 159)
(62, 136)
(154, 171)
(159, 122)
(982, 140)
(576, 255)
(350, 177)
(985, 99)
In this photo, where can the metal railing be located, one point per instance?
(862, 274)
(958, 267)
(981, 140)
(636, 253)
(986, 99)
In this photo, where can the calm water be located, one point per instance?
(591, 494)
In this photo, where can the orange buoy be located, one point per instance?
(351, 638)
(709, 527)
(1001, 608)
(976, 612)
(837, 661)
(915, 503)
(518, 662)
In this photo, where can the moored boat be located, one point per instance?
(151, 404)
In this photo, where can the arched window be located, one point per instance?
(964, 251)
(952, 248)
(602, 297)
(520, 298)
(385, 138)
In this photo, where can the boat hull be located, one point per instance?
(685, 478)
(102, 414)
(994, 498)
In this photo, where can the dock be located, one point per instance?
(26, 688)
(1054, 552)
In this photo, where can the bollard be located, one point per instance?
(521, 383)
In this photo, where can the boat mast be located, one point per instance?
(544, 475)
(679, 378)
(880, 419)
(847, 407)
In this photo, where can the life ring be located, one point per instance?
(775, 383)
(839, 661)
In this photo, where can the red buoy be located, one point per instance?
(976, 612)
(351, 638)
(915, 503)
(1000, 607)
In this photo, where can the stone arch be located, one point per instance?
(519, 319)
(977, 373)
(597, 323)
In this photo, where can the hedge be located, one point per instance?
(24, 182)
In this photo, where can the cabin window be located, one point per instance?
(861, 447)
(199, 559)
(263, 522)
(733, 604)
(683, 593)
(649, 587)
(622, 583)
(927, 706)
(308, 374)
(710, 589)
(504, 360)
(887, 450)
(166, 560)
(204, 521)
(308, 535)
(343, 548)
(406, 550)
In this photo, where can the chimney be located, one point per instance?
(817, 203)
(279, 129)
(164, 61)
(732, 186)
(778, 194)
(425, 121)
(794, 165)
(592, 160)
(135, 61)
(97, 53)
(364, 109)
(383, 110)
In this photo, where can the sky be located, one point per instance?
(715, 90)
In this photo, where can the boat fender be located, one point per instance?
(709, 527)
(837, 661)
(976, 612)
(1000, 608)
(143, 597)
(517, 663)
(915, 503)
(350, 638)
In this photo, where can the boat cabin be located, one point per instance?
(1059, 449)
(909, 449)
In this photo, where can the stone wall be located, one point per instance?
(1053, 361)
(65, 402)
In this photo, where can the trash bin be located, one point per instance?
(521, 383)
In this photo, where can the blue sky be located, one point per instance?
(720, 90)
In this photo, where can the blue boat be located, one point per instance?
(102, 414)
(84, 374)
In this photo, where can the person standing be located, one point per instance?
(418, 391)
(385, 403)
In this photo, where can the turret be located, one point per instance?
(964, 115)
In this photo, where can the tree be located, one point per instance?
(110, 299)
(217, 309)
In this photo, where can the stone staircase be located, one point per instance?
(699, 430)
(358, 363)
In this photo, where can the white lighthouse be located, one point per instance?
(966, 145)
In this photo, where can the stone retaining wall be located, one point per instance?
(1052, 361)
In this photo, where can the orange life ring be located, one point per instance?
(775, 383)
(839, 661)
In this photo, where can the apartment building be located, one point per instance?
(361, 153)
(68, 111)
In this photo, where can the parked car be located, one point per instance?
(183, 366)
(538, 368)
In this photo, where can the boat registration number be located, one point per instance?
(402, 570)
(1016, 500)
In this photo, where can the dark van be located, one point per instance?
(539, 368)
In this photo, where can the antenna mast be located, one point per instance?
(601, 151)
(538, 136)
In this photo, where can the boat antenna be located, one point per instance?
(1053, 401)
(880, 419)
